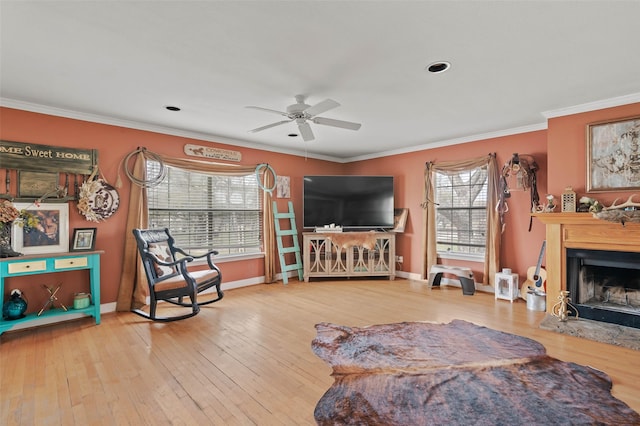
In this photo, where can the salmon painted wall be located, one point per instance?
(113, 144)
(520, 248)
(568, 151)
(560, 152)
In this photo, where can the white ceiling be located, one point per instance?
(123, 62)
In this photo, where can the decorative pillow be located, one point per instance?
(162, 252)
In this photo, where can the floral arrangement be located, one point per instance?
(9, 213)
(84, 207)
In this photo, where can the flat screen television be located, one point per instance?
(351, 201)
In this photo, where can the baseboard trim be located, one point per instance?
(106, 308)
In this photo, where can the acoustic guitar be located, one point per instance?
(536, 276)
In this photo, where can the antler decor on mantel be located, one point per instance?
(629, 211)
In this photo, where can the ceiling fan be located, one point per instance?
(302, 113)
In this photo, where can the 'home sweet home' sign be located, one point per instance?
(46, 158)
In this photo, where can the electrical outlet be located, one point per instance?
(399, 259)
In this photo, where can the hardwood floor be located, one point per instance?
(245, 360)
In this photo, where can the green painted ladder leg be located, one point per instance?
(294, 248)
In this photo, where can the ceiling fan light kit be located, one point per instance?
(302, 114)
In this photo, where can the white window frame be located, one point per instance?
(444, 194)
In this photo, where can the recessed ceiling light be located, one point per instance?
(172, 108)
(438, 67)
(292, 135)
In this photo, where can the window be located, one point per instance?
(461, 221)
(205, 211)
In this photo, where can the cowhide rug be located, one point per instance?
(418, 373)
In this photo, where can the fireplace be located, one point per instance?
(605, 285)
(602, 252)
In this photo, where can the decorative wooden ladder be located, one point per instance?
(282, 250)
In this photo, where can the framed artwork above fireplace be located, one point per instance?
(613, 155)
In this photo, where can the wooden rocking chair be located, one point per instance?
(168, 275)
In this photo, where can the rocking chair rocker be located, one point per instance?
(167, 269)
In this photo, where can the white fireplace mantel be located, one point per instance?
(580, 230)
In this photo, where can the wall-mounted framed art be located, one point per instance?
(50, 235)
(613, 155)
(84, 239)
(283, 186)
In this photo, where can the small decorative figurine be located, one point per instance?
(561, 309)
(588, 204)
(551, 204)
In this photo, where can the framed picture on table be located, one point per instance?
(84, 239)
(49, 235)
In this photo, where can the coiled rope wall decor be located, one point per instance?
(148, 155)
(267, 168)
(150, 182)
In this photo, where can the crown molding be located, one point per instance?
(112, 121)
(456, 141)
(60, 112)
(593, 106)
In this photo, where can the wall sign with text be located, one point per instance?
(210, 152)
(32, 171)
(46, 158)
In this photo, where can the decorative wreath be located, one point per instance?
(98, 200)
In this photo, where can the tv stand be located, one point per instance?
(349, 254)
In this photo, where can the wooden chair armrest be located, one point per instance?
(209, 255)
(210, 261)
(182, 252)
(196, 256)
(180, 263)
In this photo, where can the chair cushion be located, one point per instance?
(178, 281)
(170, 283)
(162, 252)
(204, 275)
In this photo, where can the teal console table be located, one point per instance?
(45, 264)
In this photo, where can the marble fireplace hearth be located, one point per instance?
(598, 331)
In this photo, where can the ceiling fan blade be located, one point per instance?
(321, 107)
(336, 123)
(269, 110)
(268, 126)
(305, 131)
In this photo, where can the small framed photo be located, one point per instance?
(84, 239)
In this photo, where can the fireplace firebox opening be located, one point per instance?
(605, 285)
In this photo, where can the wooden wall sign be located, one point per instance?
(209, 152)
(36, 184)
(46, 158)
